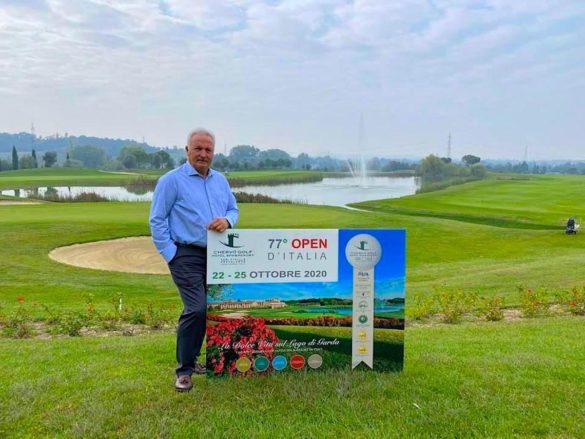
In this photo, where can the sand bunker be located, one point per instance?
(14, 203)
(127, 255)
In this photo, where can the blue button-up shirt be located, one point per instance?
(184, 203)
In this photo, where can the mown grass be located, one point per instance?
(540, 201)
(462, 255)
(29, 178)
(512, 379)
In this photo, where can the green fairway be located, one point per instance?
(472, 380)
(461, 255)
(537, 201)
(28, 178)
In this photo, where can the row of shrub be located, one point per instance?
(452, 306)
(22, 321)
(92, 197)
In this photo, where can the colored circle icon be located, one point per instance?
(362, 349)
(261, 364)
(362, 335)
(297, 361)
(279, 362)
(315, 361)
(363, 319)
(243, 364)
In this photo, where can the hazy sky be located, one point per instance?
(297, 74)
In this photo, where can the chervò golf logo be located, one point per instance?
(231, 237)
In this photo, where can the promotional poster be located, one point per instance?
(298, 299)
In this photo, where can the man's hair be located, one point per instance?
(201, 131)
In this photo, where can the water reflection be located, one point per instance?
(329, 191)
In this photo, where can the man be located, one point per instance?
(186, 203)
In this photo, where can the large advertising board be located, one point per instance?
(305, 299)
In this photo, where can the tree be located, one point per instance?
(303, 161)
(470, 159)
(244, 156)
(478, 170)
(5, 165)
(50, 158)
(91, 156)
(432, 168)
(133, 156)
(220, 162)
(26, 162)
(161, 159)
(14, 158)
(34, 156)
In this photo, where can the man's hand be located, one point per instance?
(218, 225)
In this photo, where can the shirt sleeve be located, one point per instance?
(165, 195)
(232, 212)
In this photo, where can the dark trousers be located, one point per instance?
(188, 270)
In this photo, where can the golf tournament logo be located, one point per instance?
(363, 252)
(231, 237)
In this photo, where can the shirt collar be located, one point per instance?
(190, 170)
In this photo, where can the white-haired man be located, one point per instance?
(186, 203)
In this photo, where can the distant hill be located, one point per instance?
(24, 143)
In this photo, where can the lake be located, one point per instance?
(329, 191)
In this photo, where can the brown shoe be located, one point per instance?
(183, 383)
(199, 368)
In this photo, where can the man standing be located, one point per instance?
(186, 203)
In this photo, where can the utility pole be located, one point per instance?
(32, 135)
(449, 147)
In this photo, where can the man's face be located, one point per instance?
(200, 152)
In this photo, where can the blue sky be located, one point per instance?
(497, 74)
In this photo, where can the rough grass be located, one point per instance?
(512, 379)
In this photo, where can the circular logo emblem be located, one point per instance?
(362, 335)
(297, 361)
(261, 364)
(315, 361)
(279, 362)
(243, 364)
(363, 319)
(362, 349)
(363, 251)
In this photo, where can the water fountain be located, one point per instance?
(359, 172)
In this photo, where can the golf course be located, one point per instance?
(90, 352)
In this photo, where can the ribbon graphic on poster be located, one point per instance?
(363, 252)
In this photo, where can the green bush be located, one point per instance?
(421, 308)
(452, 306)
(17, 324)
(534, 303)
(492, 308)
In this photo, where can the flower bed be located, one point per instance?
(232, 339)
